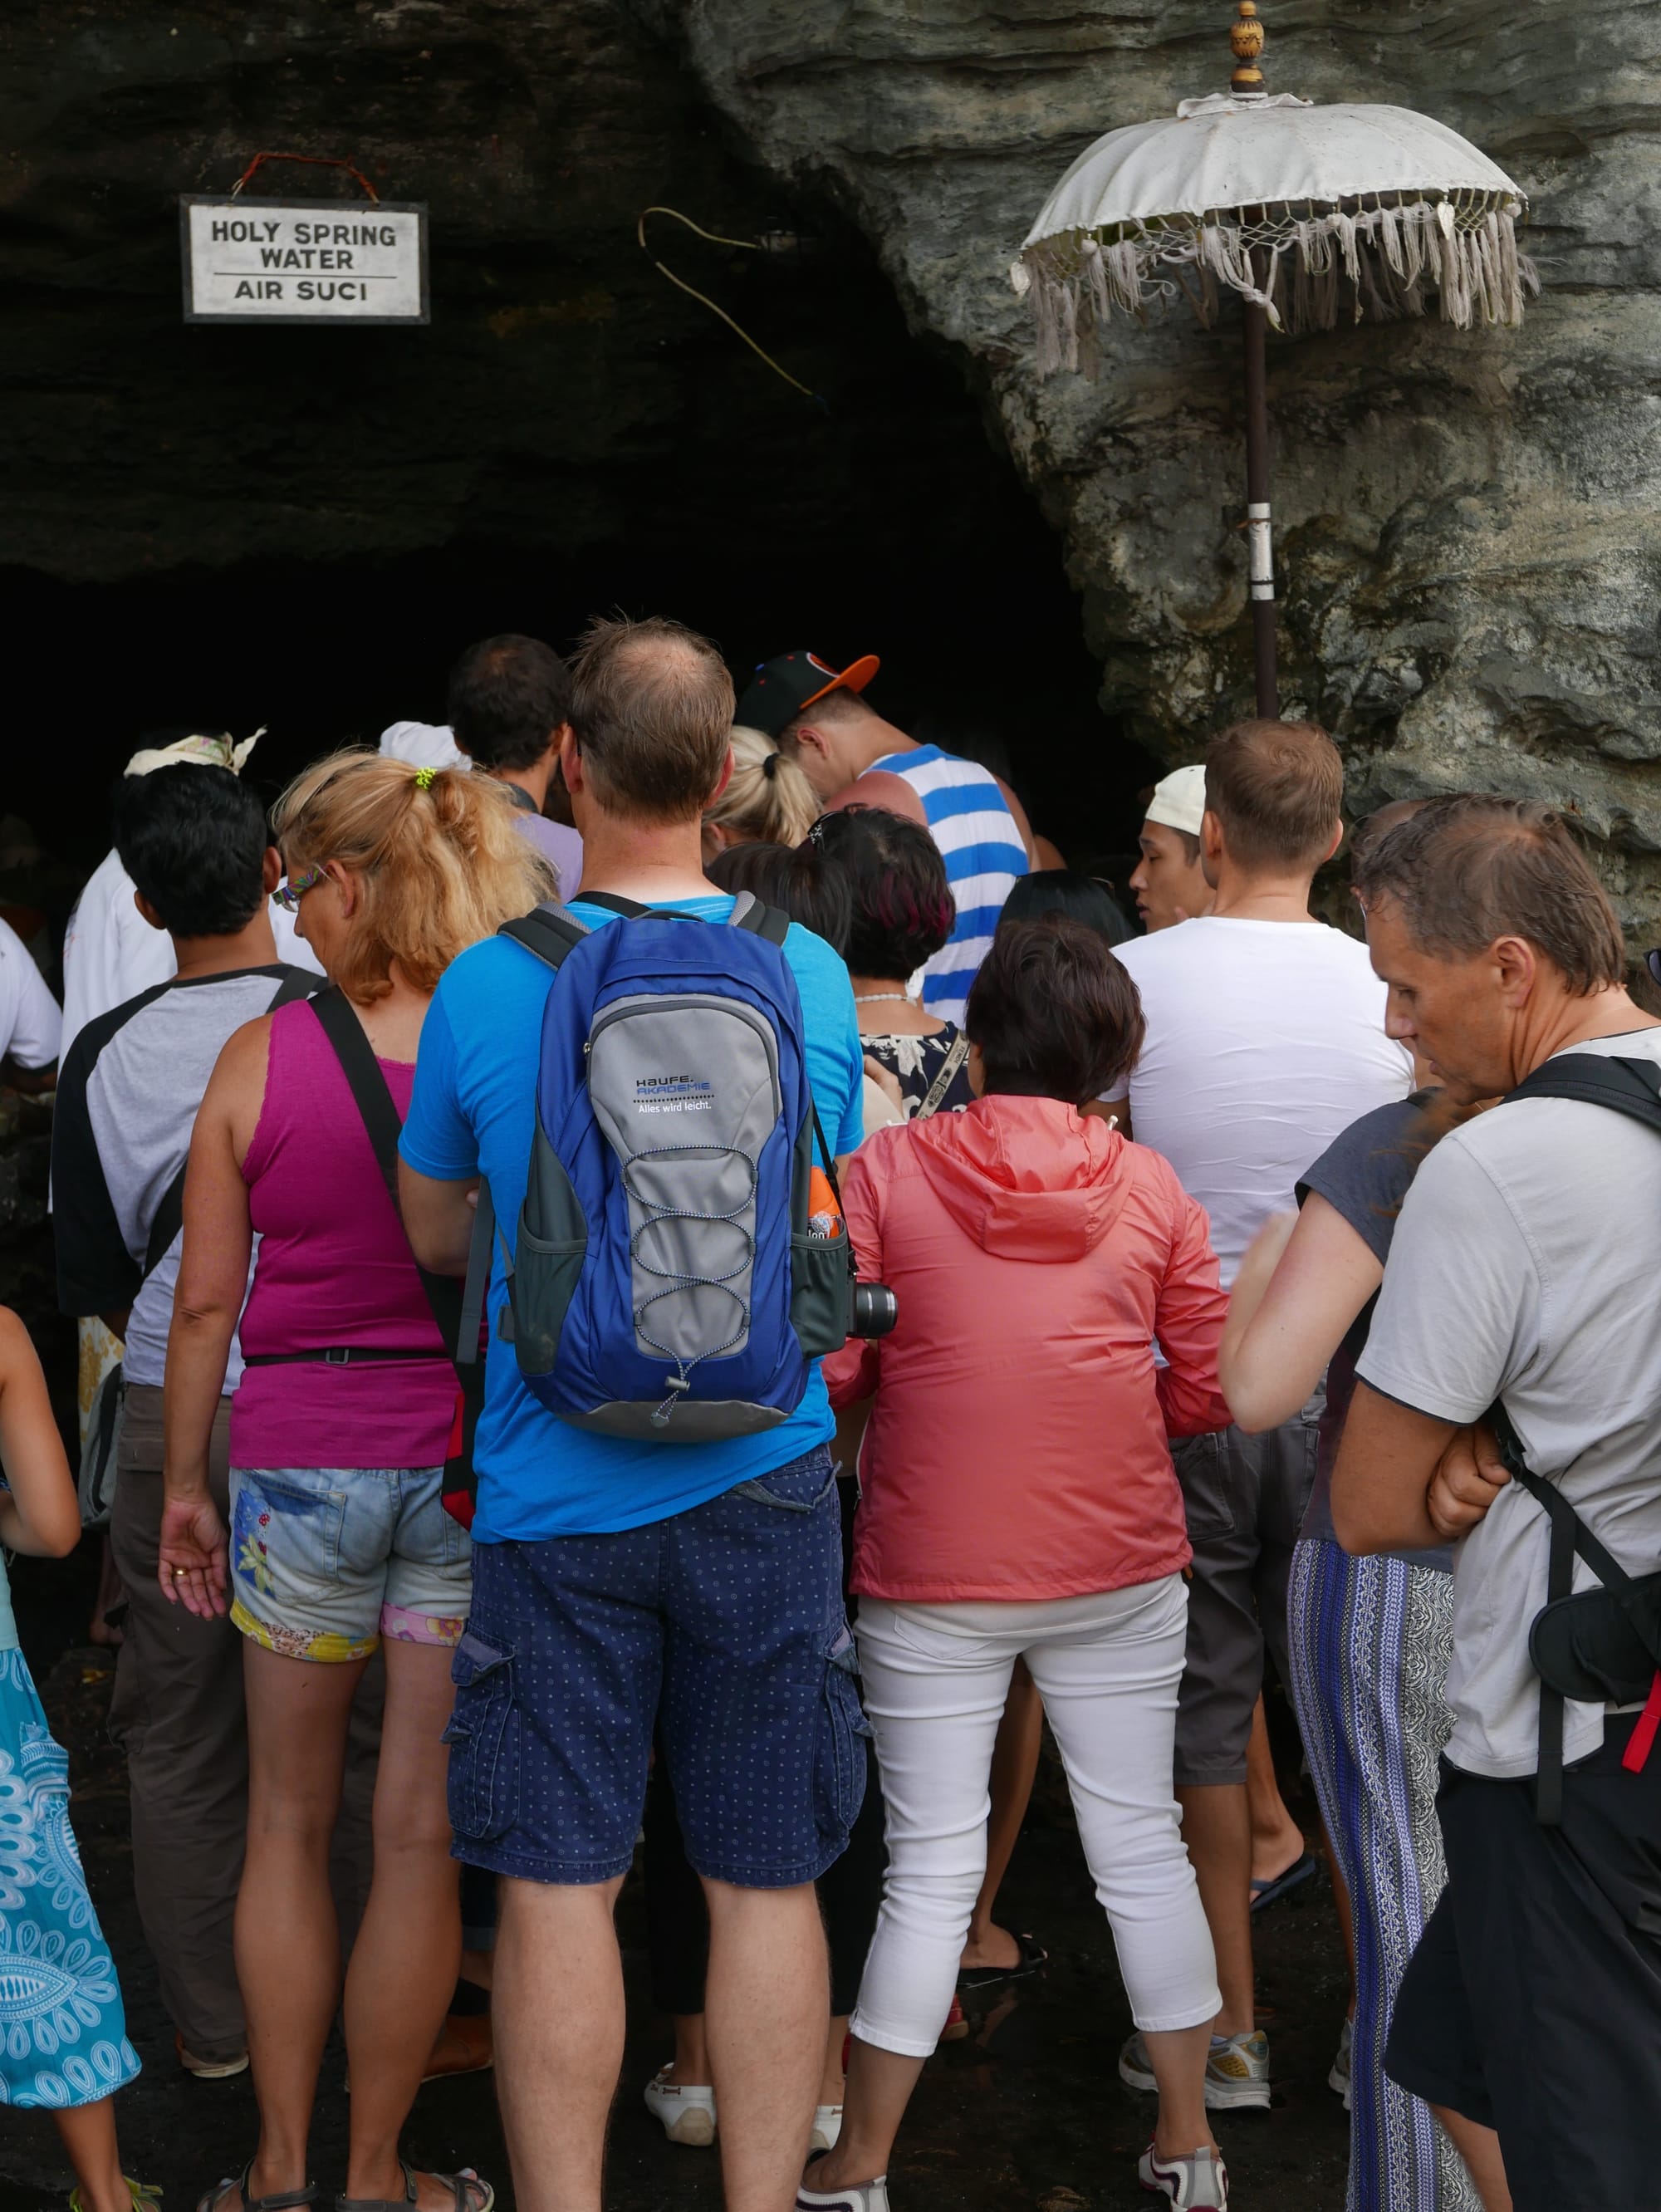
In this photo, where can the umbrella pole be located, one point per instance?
(1258, 524)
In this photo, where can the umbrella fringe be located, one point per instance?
(1378, 259)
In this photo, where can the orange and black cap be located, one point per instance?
(783, 686)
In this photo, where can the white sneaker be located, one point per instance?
(827, 2126)
(869, 2197)
(686, 2113)
(1236, 2072)
(1337, 2080)
(1199, 2184)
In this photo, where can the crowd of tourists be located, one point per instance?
(678, 1289)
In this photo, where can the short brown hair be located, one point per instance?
(839, 704)
(1276, 787)
(441, 862)
(1470, 868)
(1054, 1014)
(652, 707)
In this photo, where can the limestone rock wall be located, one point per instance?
(1469, 522)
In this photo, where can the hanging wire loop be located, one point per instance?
(313, 161)
(745, 245)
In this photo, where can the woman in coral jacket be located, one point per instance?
(1019, 1501)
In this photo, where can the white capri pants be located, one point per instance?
(1107, 1667)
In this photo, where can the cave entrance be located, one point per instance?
(681, 478)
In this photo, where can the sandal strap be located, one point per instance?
(284, 2201)
(383, 2204)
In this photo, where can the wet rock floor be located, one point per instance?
(1026, 2112)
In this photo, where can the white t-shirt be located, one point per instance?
(30, 1023)
(111, 953)
(1265, 1040)
(1524, 1267)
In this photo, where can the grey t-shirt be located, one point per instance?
(1364, 1178)
(1523, 1268)
(127, 1102)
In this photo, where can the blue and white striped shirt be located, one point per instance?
(970, 821)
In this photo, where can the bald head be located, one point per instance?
(651, 706)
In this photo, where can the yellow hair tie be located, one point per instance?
(424, 778)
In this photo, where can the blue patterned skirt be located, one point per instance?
(63, 2032)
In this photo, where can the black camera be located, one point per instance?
(875, 1310)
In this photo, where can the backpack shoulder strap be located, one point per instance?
(169, 1216)
(362, 1071)
(631, 909)
(766, 921)
(549, 932)
(1630, 1086)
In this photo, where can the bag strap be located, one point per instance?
(548, 931)
(367, 1085)
(169, 1216)
(1632, 1087)
(943, 1082)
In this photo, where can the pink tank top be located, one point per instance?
(333, 1267)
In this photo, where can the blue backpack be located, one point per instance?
(667, 1282)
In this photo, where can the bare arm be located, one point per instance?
(1387, 1460)
(213, 1281)
(1302, 1283)
(42, 1516)
(1033, 858)
(438, 1218)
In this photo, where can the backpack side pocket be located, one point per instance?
(552, 1245)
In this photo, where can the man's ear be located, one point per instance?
(721, 780)
(809, 739)
(1518, 965)
(148, 910)
(1211, 839)
(271, 873)
(557, 737)
(1333, 843)
(571, 760)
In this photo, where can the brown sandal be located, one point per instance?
(472, 2193)
(287, 2201)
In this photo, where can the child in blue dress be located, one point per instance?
(63, 2045)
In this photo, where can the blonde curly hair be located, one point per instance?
(440, 861)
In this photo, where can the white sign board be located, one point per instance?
(249, 260)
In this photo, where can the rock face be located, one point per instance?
(1469, 522)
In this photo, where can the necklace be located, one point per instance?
(872, 998)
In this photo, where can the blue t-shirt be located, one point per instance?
(475, 1106)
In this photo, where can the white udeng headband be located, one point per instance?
(1179, 800)
(196, 752)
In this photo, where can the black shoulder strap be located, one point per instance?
(631, 909)
(169, 1216)
(765, 921)
(1626, 1086)
(549, 932)
(362, 1071)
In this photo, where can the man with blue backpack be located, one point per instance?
(645, 1090)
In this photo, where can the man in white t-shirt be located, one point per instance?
(111, 953)
(30, 1023)
(1265, 1039)
(1522, 1271)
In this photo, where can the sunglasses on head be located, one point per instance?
(289, 893)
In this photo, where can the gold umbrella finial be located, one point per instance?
(1246, 38)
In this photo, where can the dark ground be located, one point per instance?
(1028, 2112)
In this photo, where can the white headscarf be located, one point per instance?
(196, 752)
(423, 744)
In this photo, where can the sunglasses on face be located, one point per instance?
(289, 894)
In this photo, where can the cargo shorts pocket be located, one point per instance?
(840, 1754)
(483, 1736)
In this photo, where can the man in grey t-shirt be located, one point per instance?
(1522, 1271)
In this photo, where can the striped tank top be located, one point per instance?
(970, 823)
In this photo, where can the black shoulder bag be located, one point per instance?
(1602, 1646)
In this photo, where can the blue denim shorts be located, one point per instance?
(725, 1628)
(326, 1561)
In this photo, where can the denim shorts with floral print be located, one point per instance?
(326, 1561)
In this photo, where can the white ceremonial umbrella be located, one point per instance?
(1308, 212)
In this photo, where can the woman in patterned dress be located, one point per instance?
(63, 2045)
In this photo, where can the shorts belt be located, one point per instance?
(339, 1355)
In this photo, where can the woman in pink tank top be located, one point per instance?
(339, 1543)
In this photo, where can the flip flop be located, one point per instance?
(1266, 1893)
(1032, 1956)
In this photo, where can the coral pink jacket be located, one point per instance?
(1017, 1449)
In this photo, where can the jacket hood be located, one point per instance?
(1028, 1178)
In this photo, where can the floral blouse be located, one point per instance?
(915, 1062)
